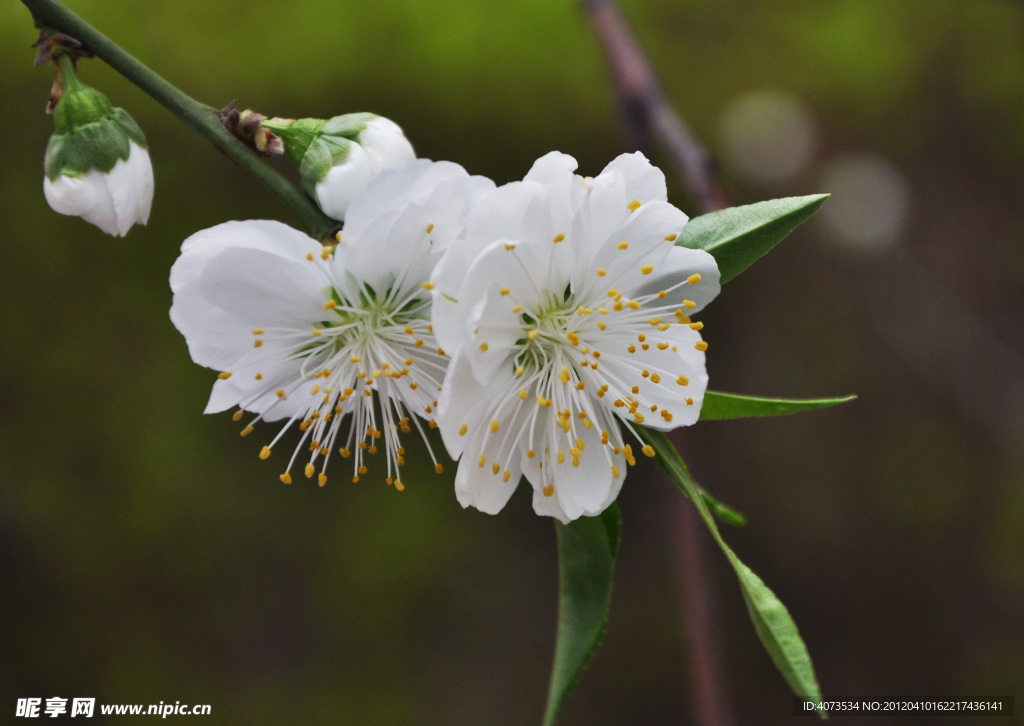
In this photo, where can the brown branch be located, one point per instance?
(646, 112)
(647, 115)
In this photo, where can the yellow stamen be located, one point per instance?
(647, 269)
(286, 478)
(701, 345)
(634, 205)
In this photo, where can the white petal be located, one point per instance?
(679, 265)
(478, 487)
(643, 181)
(492, 330)
(86, 196)
(585, 489)
(551, 166)
(341, 184)
(131, 188)
(385, 144)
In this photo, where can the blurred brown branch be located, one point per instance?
(647, 115)
(646, 112)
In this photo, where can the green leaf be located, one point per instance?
(586, 560)
(718, 406)
(772, 621)
(724, 512)
(738, 236)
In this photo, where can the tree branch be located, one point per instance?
(646, 112)
(200, 117)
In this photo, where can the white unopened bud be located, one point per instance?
(337, 158)
(97, 166)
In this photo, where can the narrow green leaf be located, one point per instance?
(738, 236)
(719, 406)
(772, 621)
(724, 512)
(586, 560)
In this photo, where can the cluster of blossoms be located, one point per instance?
(534, 323)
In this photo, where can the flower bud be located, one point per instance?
(97, 166)
(337, 158)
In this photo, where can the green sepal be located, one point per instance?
(89, 133)
(719, 406)
(131, 128)
(315, 145)
(738, 236)
(772, 621)
(586, 561)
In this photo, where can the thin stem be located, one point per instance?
(204, 119)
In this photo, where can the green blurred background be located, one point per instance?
(146, 554)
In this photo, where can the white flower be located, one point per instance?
(381, 145)
(568, 311)
(316, 335)
(114, 200)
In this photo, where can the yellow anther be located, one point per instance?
(362, 470)
(224, 376)
(648, 450)
(617, 306)
(645, 373)
(601, 325)
(246, 431)
(413, 386)
(520, 370)
(495, 426)
(495, 468)
(309, 470)
(399, 486)
(265, 452)
(258, 376)
(355, 479)
(330, 305)
(635, 390)
(533, 334)
(682, 380)
(697, 326)
(670, 238)
(522, 394)
(623, 244)
(561, 456)
(509, 247)
(601, 272)
(664, 326)
(356, 359)
(701, 345)
(309, 256)
(655, 378)
(315, 331)
(613, 293)
(286, 478)
(634, 205)
(237, 416)
(615, 472)
(541, 401)
(631, 348)
(419, 343)
(689, 401)
(507, 476)
(584, 311)
(257, 343)
(662, 346)
(428, 286)
(693, 279)
(504, 291)
(517, 309)
(563, 377)
(430, 228)
(654, 322)
(483, 460)
(549, 490)
(647, 269)
(689, 304)
(483, 347)
(633, 305)
(322, 479)
(315, 390)
(530, 453)
(345, 453)
(579, 386)
(558, 238)
(438, 468)
(641, 337)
